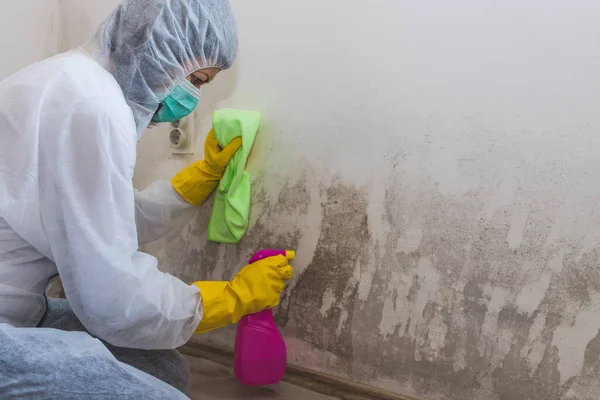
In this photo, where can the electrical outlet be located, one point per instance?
(182, 136)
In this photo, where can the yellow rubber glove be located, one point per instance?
(255, 288)
(196, 182)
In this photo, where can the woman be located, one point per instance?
(68, 131)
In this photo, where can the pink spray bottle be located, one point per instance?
(260, 355)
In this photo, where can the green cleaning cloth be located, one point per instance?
(231, 208)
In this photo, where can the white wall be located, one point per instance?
(28, 33)
(79, 20)
(436, 165)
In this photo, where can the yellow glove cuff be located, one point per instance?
(220, 306)
(196, 182)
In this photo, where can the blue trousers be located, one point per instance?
(60, 360)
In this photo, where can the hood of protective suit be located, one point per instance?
(150, 46)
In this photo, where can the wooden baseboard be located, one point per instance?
(304, 377)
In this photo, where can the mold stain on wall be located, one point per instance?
(451, 307)
(325, 293)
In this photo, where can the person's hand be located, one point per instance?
(197, 181)
(259, 285)
(215, 157)
(255, 288)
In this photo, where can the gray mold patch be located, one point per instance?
(323, 300)
(456, 312)
(513, 379)
(293, 199)
(455, 304)
(587, 384)
(266, 233)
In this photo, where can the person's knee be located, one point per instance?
(63, 363)
(181, 377)
(167, 365)
(60, 315)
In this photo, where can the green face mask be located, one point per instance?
(179, 104)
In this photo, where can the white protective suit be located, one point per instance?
(68, 133)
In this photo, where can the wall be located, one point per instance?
(28, 33)
(79, 19)
(436, 166)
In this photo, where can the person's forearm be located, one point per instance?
(159, 210)
(141, 308)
